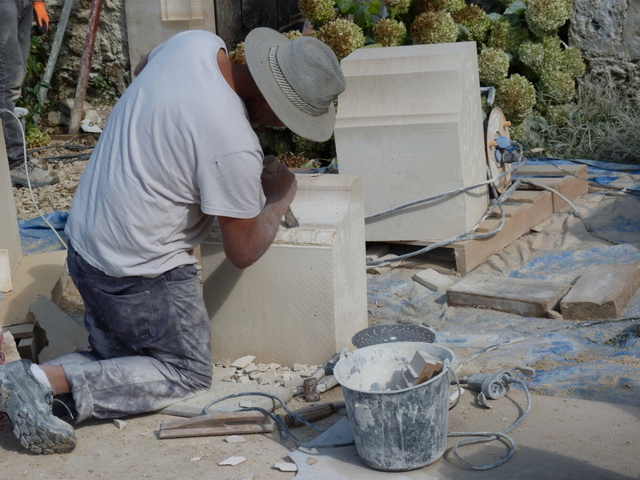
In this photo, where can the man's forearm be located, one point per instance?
(246, 240)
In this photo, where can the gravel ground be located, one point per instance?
(56, 197)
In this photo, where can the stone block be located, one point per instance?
(602, 291)
(307, 296)
(5, 271)
(9, 232)
(522, 296)
(410, 123)
(63, 334)
(38, 274)
(433, 280)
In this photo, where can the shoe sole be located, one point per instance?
(44, 439)
(39, 439)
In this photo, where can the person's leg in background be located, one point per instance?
(15, 42)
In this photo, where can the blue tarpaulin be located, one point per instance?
(38, 237)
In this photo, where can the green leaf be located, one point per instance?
(363, 17)
(374, 7)
(345, 6)
(516, 8)
(463, 33)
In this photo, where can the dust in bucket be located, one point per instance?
(395, 429)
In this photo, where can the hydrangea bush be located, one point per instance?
(520, 48)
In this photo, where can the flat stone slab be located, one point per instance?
(433, 280)
(603, 291)
(64, 335)
(193, 407)
(522, 296)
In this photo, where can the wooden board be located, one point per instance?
(568, 185)
(527, 207)
(236, 18)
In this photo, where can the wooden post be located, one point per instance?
(85, 67)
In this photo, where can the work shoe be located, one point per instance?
(28, 404)
(39, 177)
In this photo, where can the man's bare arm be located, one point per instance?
(246, 240)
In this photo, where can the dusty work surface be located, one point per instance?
(560, 439)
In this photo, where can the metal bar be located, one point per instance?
(85, 67)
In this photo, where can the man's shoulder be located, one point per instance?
(197, 36)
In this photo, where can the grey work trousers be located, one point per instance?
(15, 41)
(150, 339)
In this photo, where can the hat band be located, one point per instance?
(289, 92)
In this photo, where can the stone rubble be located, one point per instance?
(245, 370)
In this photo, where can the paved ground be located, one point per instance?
(560, 439)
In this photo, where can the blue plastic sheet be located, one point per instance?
(38, 237)
(597, 360)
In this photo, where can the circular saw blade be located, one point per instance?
(497, 126)
(393, 333)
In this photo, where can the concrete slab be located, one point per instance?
(603, 291)
(193, 407)
(40, 274)
(63, 334)
(522, 296)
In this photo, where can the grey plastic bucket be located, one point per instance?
(395, 430)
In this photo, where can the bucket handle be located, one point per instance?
(459, 392)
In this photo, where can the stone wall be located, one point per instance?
(608, 34)
(110, 63)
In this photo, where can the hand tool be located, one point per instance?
(221, 423)
(313, 413)
(270, 164)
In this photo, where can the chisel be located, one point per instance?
(270, 164)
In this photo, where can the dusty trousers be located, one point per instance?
(150, 340)
(15, 42)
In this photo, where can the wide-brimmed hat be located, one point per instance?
(300, 79)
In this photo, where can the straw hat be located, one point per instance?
(300, 79)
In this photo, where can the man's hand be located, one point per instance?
(279, 185)
(41, 17)
(246, 240)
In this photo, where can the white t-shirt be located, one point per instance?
(177, 149)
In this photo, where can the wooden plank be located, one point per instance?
(510, 210)
(489, 225)
(259, 13)
(288, 14)
(471, 253)
(526, 196)
(550, 170)
(219, 423)
(217, 430)
(570, 187)
(229, 22)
